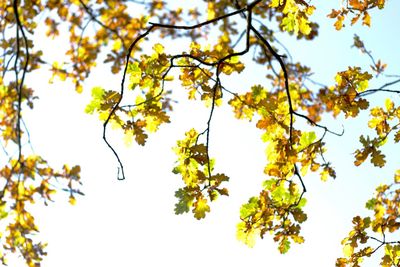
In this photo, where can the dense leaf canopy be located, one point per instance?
(288, 107)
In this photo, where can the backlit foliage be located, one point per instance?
(287, 108)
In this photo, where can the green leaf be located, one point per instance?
(280, 194)
(370, 204)
(135, 74)
(377, 158)
(302, 203)
(289, 23)
(247, 236)
(269, 184)
(249, 208)
(284, 245)
(306, 139)
(97, 99)
(185, 201)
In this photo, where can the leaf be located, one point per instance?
(276, 3)
(250, 208)
(299, 215)
(310, 10)
(302, 203)
(397, 136)
(334, 13)
(298, 239)
(304, 26)
(348, 250)
(306, 139)
(3, 211)
(378, 159)
(158, 48)
(72, 200)
(140, 136)
(223, 191)
(355, 19)
(247, 236)
(366, 19)
(362, 86)
(200, 208)
(184, 201)
(389, 104)
(117, 45)
(135, 74)
(97, 98)
(339, 23)
(397, 177)
(371, 203)
(210, 11)
(289, 23)
(284, 245)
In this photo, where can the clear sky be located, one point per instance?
(132, 222)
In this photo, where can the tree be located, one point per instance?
(289, 107)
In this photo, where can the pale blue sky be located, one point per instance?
(132, 223)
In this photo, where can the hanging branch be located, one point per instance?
(20, 84)
(142, 36)
(245, 12)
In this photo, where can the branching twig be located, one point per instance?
(245, 12)
(94, 18)
(181, 27)
(380, 89)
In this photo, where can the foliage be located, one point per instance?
(288, 108)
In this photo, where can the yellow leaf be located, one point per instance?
(389, 104)
(304, 26)
(379, 212)
(366, 19)
(103, 115)
(128, 137)
(117, 45)
(372, 123)
(247, 236)
(211, 10)
(152, 123)
(397, 176)
(348, 250)
(169, 78)
(79, 88)
(339, 22)
(362, 86)
(158, 48)
(290, 23)
(338, 79)
(200, 208)
(72, 200)
(310, 10)
(298, 239)
(276, 3)
(324, 175)
(290, 7)
(21, 189)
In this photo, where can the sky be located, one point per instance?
(132, 222)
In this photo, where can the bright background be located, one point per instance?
(132, 222)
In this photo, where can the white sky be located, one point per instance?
(132, 222)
